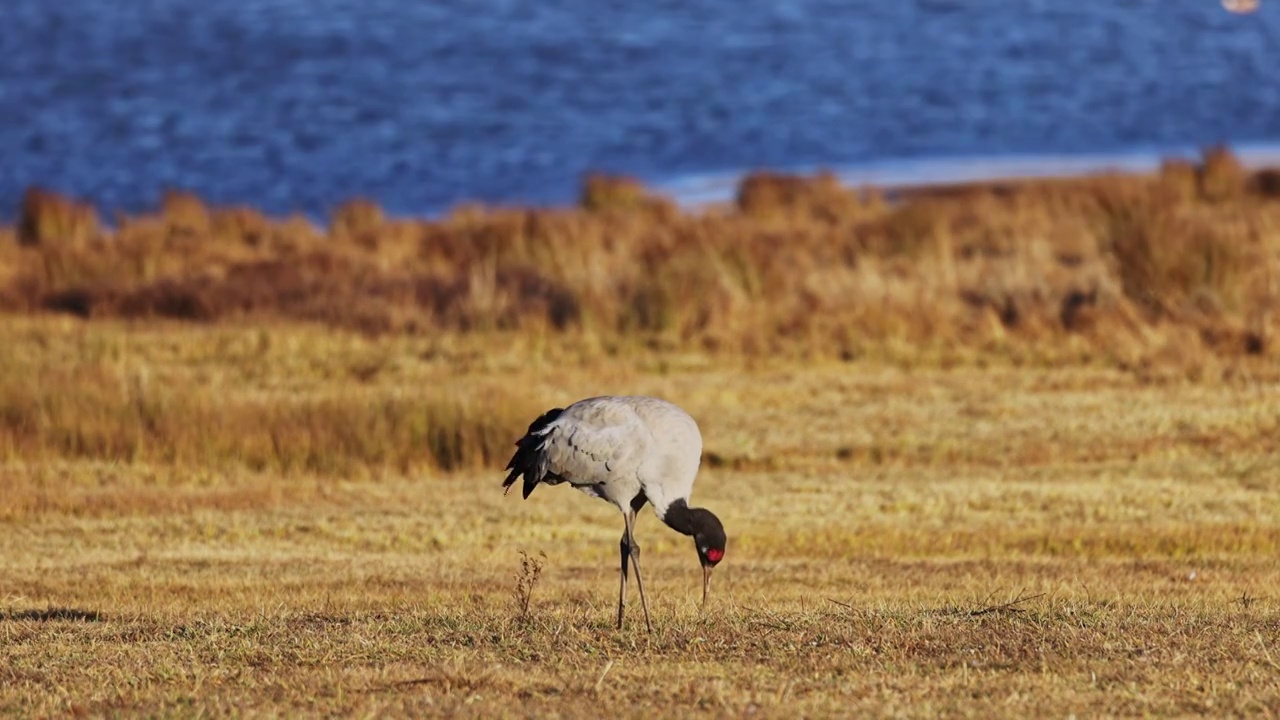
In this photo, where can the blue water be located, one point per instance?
(295, 105)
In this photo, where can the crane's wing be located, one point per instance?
(584, 444)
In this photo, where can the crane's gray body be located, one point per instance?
(628, 450)
(618, 448)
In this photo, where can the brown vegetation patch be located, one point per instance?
(46, 217)
(1101, 266)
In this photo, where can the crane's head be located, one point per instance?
(709, 539)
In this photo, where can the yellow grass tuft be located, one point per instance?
(1222, 177)
(616, 197)
(47, 218)
(186, 214)
(359, 220)
(820, 198)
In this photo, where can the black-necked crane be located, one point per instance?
(628, 450)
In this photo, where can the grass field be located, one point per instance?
(274, 519)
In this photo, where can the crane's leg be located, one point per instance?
(625, 551)
(635, 562)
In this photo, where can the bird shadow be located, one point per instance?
(52, 614)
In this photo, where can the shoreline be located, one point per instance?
(701, 190)
(696, 190)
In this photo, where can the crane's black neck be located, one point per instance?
(703, 526)
(686, 520)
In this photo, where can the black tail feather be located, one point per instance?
(525, 460)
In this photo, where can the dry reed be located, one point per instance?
(798, 266)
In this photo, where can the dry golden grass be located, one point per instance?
(48, 218)
(995, 450)
(255, 520)
(1110, 269)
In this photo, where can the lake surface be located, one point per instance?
(295, 105)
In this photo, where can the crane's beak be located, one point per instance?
(706, 582)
